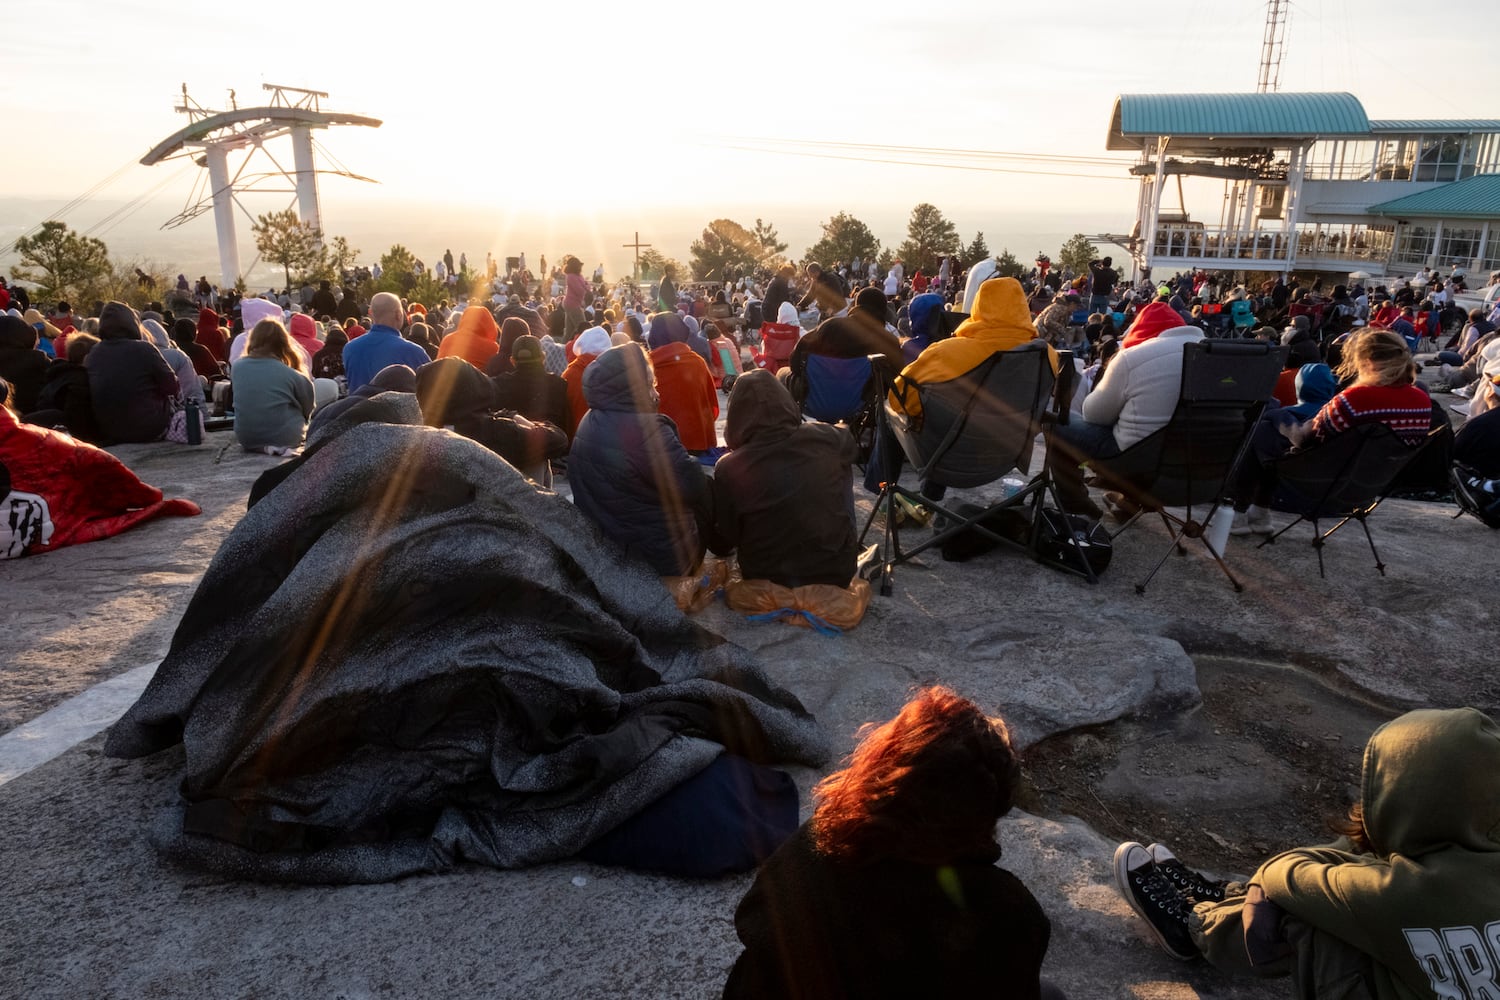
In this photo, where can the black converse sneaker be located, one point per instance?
(1194, 885)
(1150, 894)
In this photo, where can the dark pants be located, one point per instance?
(1254, 480)
(1068, 447)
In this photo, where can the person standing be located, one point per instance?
(1102, 277)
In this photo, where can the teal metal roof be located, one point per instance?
(1471, 198)
(1432, 126)
(1234, 115)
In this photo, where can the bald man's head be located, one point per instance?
(385, 310)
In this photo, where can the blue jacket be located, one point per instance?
(629, 471)
(382, 345)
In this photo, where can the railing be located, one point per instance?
(1192, 242)
(1197, 243)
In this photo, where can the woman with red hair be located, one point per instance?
(891, 889)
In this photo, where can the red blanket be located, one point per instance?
(64, 492)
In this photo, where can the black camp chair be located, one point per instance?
(1225, 386)
(1346, 476)
(972, 430)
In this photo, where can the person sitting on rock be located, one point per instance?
(782, 495)
(456, 395)
(629, 471)
(1404, 904)
(891, 888)
(684, 383)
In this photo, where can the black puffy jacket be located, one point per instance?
(629, 471)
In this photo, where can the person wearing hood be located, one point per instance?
(684, 383)
(1404, 904)
(211, 336)
(1149, 322)
(697, 340)
(476, 339)
(304, 332)
(329, 361)
(185, 335)
(925, 314)
(863, 332)
(589, 345)
(454, 394)
(348, 307)
(530, 390)
(323, 303)
(782, 494)
(130, 384)
(1134, 398)
(21, 363)
(629, 471)
(1000, 322)
(189, 385)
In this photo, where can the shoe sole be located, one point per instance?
(1122, 882)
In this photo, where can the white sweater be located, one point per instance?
(1140, 388)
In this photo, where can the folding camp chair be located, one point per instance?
(1225, 386)
(847, 391)
(971, 431)
(1242, 314)
(1346, 476)
(776, 343)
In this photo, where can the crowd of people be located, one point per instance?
(890, 888)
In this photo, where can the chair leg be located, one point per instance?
(1373, 551)
(1318, 540)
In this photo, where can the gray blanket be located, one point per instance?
(407, 656)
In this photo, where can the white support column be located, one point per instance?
(1437, 246)
(307, 177)
(1294, 173)
(1154, 209)
(1484, 246)
(223, 195)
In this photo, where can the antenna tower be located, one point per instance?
(211, 135)
(1271, 47)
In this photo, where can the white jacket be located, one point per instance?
(1139, 390)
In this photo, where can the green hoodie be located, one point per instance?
(1426, 903)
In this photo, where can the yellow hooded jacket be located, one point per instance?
(1000, 321)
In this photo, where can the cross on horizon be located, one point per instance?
(635, 271)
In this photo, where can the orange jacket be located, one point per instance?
(475, 340)
(573, 375)
(688, 396)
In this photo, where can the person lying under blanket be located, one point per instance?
(407, 656)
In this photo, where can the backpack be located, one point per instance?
(1054, 547)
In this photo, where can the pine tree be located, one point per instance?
(929, 237)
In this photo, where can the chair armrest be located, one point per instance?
(1062, 390)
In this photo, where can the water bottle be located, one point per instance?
(194, 427)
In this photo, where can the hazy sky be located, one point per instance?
(554, 120)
